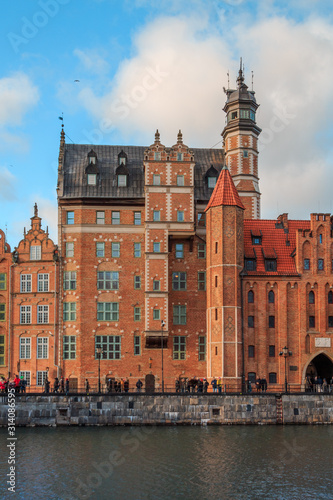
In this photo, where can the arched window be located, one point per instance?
(330, 297)
(250, 297)
(311, 297)
(271, 297)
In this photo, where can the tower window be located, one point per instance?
(320, 264)
(245, 153)
(212, 182)
(306, 264)
(271, 321)
(271, 351)
(311, 298)
(330, 297)
(234, 115)
(271, 297)
(250, 297)
(312, 322)
(156, 180)
(157, 156)
(250, 321)
(180, 216)
(320, 239)
(179, 156)
(330, 322)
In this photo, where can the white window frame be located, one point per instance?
(35, 252)
(25, 283)
(70, 249)
(42, 347)
(122, 180)
(25, 348)
(40, 377)
(91, 180)
(43, 282)
(100, 249)
(100, 217)
(25, 315)
(42, 314)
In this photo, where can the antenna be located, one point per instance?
(252, 79)
(228, 78)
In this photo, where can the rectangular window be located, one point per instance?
(251, 351)
(26, 376)
(69, 311)
(272, 378)
(179, 347)
(201, 219)
(110, 344)
(2, 312)
(100, 217)
(156, 180)
(216, 281)
(245, 153)
(201, 280)
(107, 311)
(3, 281)
(42, 314)
(137, 250)
(179, 315)
(180, 216)
(69, 217)
(156, 247)
(270, 265)
(100, 249)
(330, 322)
(250, 321)
(43, 282)
(70, 249)
(25, 283)
(179, 250)
(122, 180)
(306, 264)
(137, 313)
(70, 280)
(178, 281)
(156, 314)
(202, 348)
(157, 156)
(137, 218)
(271, 351)
(2, 350)
(25, 348)
(180, 180)
(137, 282)
(201, 250)
(312, 322)
(137, 345)
(156, 215)
(107, 280)
(42, 347)
(69, 347)
(115, 218)
(250, 264)
(156, 285)
(115, 250)
(41, 377)
(320, 264)
(256, 240)
(91, 179)
(35, 252)
(211, 182)
(271, 321)
(179, 156)
(25, 315)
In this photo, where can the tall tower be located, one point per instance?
(240, 137)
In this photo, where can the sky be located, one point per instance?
(118, 70)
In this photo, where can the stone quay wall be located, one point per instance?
(171, 409)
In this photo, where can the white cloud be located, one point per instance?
(48, 210)
(92, 61)
(7, 185)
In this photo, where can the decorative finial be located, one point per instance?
(157, 136)
(24, 232)
(35, 210)
(180, 137)
(240, 79)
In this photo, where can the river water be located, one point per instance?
(191, 463)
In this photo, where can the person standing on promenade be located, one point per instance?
(219, 385)
(214, 384)
(67, 386)
(139, 385)
(62, 385)
(87, 386)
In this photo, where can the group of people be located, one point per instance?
(18, 383)
(196, 384)
(59, 386)
(121, 385)
(318, 384)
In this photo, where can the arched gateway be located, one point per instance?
(320, 365)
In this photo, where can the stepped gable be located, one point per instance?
(275, 243)
(225, 192)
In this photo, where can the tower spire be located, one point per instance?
(240, 79)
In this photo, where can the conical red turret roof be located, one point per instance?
(225, 192)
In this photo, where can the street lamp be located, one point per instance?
(99, 351)
(162, 326)
(286, 353)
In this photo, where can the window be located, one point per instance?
(179, 315)
(179, 250)
(179, 156)
(216, 247)
(107, 311)
(107, 280)
(245, 153)
(69, 217)
(178, 281)
(100, 217)
(25, 348)
(212, 182)
(306, 264)
(201, 219)
(26, 376)
(2, 350)
(41, 377)
(137, 313)
(201, 250)
(69, 249)
(179, 347)
(320, 239)
(137, 218)
(216, 281)
(271, 297)
(35, 252)
(311, 297)
(156, 247)
(245, 113)
(202, 348)
(234, 115)
(2, 312)
(70, 280)
(115, 250)
(330, 322)
(137, 282)
(256, 240)
(180, 180)
(156, 180)
(250, 321)
(201, 280)
(157, 156)
(3, 281)
(271, 351)
(330, 297)
(92, 179)
(312, 322)
(69, 347)
(42, 347)
(122, 180)
(251, 351)
(137, 249)
(25, 283)
(250, 264)
(180, 216)
(271, 321)
(216, 315)
(320, 264)
(42, 314)
(43, 282)
(100, 249)
(250, 297)
(270, 265)
(272, 378)
(156, 314)
(110, 344)
(115, 218)
(251, 376)
(156, 285)
(137, 345)
(69, 311)
(156, 215)
(25, 315)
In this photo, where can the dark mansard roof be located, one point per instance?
(76, 161)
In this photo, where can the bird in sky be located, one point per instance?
(76, 81)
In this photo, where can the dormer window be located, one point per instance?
(35, 252)
(92, 157)
(179, 156)
(211, 182)
(122, 180)
(210, 178)
(250, 264)
(157, 155)
(256, 240)
(92, 179)
(122, 158)
(270, 265)
(122, 174)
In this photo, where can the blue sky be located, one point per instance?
(146, 64)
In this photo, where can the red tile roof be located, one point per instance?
(273, 245)
(225, 192)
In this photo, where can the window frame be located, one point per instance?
(179, 250)
(3, 281)
(26, 283)
(70, 217)
(69, 251)
(137, 250)
(179, 347)
(137, 282)
(137, 218)
(201, 250)
(69, 311)
(115, 250)
(179, 314)
(202, 281)
(42, 314)
(108, 311)
(201, 348)
(69, 280)
(100, 217)
(42, 348)
(180, 216)
(35, 252)
(115, 217)
(25, 315)
(180, 180)
(111, 346)
(137, 313)
(107, 280)
(179, 281)
(69, 347)
(25, 347)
